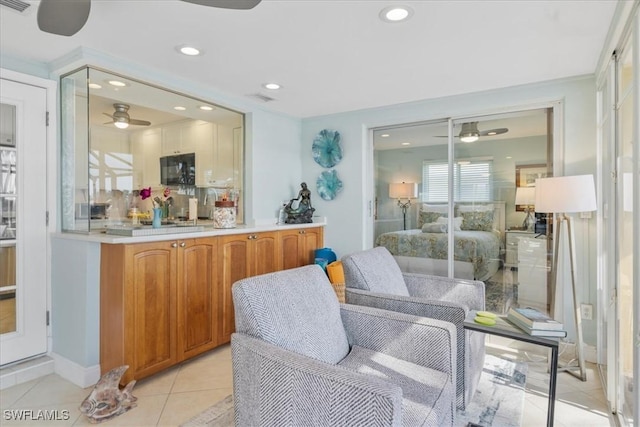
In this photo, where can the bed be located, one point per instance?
(478, 241)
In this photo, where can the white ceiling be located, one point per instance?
(333, 55)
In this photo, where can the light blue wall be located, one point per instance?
(75, 300)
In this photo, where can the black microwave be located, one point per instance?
(178, 170)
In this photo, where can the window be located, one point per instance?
(472, 181)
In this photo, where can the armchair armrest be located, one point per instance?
(436, 309)
(469, 293)
(423, 341)
(300, 390)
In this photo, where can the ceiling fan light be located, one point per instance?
(121, 125)
(468, 137)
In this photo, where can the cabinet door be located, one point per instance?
(171, 140)
(298, 246)
(290, 247)
(234, 265)
(264, 256)
(311, 239)
(150, 295)
(197, 296)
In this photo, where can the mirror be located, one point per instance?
(120, 136)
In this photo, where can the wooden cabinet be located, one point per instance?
(158, 304)
(242, 256)
(298, 246)
(164, 302)
(197, 296)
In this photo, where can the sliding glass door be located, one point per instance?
(465, 175)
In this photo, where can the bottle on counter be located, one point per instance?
(282, 215)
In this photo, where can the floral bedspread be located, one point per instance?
(480, 248)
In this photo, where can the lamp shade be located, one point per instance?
(525, 195)
(403, 190)
(565, 194)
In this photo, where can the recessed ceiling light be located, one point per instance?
(406, 143)
(509, 157)
(189, 50)
(117, 83)
(271, 86)
(179, 108)
(205, 107)
(396, 13)
(94, 86)
(384, 135)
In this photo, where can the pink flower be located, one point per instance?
(145, 193)
(166, 192)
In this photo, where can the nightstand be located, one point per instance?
(511, 243)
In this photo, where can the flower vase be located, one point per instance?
(157, 218)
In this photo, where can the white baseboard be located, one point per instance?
(25, 371)
(71, 371)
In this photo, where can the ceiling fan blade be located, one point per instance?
(108, 123)
(108, 115)
(492, 132)
(227, 4)
(63, 17)
(139, 122)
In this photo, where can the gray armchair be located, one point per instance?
(373, 279)
(301, 358)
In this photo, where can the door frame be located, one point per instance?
(51, 198)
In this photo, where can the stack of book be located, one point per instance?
(536, 323)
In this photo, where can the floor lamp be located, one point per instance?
(562, 195)
(403, 190)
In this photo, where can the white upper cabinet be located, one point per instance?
(146, 146)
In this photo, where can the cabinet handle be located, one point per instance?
(174, 245)
(302, 231)
(183, 244)
(252, 237)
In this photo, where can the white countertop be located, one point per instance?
(209, 231)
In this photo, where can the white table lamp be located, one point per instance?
(562, 195)
(403, 190)
(526, 196)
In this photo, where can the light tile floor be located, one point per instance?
(176, 395)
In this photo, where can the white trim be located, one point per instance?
(71, 371)
(25, 371)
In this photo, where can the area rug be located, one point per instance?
(498, 401)
(498, 296)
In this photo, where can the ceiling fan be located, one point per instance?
(470, 132)
(121, 117)
(67, 17)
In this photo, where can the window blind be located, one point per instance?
(472, 181)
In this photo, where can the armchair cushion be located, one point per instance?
(295, 297)
(362, 270)
(424, 390)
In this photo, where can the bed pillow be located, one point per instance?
(430, 213)
(457, 222)
(434, 227)
(477, 220)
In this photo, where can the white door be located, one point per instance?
(23, 214)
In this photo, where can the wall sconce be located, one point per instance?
(526, 196)
(403, 190)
